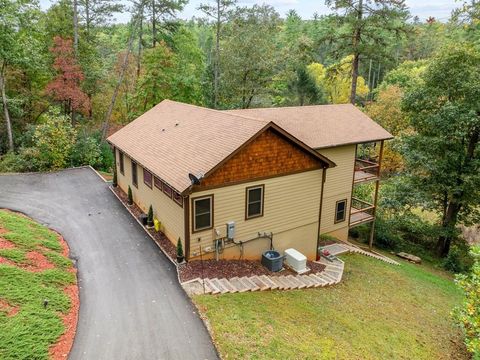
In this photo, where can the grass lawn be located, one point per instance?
(106, 175)
(32, 268)
(379, 311)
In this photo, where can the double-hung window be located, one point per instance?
(340, 210)
(202, 213)
(254, 202)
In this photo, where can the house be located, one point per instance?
(231, 184)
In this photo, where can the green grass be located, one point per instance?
(29, 333)
(379, 311)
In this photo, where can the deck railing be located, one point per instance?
(360, 206)
(367, 166)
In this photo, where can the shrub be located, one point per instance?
(107, 160)
(130, 196)
(150, 216)
(468, 315)
(114, 180)
(458, 260)
(86, 151)
(179, 248)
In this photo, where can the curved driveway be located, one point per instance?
(131, 305)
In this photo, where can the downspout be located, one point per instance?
(324, 174)
(186, 216)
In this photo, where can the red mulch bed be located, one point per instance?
(61, 348)
(37, 262)
(5, 244)
(10, 309)
(6, 261)
(234, 268)
(160, 238)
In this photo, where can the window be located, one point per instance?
(122, 169)
(134, 174)
(147, 178)
(157, 182)
(202, 213)
(340, 210)
(167, 190)
(178, 198)
(254, 203)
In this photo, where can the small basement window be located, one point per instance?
(254, 203)
(122, 169)
(134, 174)
(147, 178)
(202, 213)
(167, 190)
(340, 210)
(157, 182)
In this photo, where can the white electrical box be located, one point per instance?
(230, 230)
(296, 261)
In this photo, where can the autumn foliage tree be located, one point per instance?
(65, 88)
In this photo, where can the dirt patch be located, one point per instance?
(160, 238)
(9, 309)
(234, 268)
(37, 262)
(5, 244)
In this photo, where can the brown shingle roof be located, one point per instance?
(174, 139)
(321, 126)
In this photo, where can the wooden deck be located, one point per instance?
(361, 176)
(358, 217)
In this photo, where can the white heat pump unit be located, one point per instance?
(296, 261)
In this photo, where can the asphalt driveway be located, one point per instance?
(131, 305)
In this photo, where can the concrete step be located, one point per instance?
(295, 279)
(307, 280)
(219, 285)
(238, 285)
(318, 280)
(328, 279)
(227, 285)
(274, 280)
(268, 280)
(284, 284)
(262, 285)
(250, 284)
(211, 285)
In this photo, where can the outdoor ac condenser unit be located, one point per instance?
(296, 261)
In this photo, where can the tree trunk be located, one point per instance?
(448, 225)
(120, 78)
(140, 40)
(154, 24)
(5, 108)
(217, 58)
(75, 26)
(356, 55)
(87, 17)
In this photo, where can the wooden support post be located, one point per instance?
(375, 200)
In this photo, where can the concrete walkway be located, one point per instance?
(131, 305)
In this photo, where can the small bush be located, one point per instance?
(468, 315)
(130, 196)
(86, 151)
(458, 260)
(179, 248)
(150, 216)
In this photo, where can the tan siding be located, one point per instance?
(338, 186)
(291, 209)
(165, 209)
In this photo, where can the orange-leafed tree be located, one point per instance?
(65, 87)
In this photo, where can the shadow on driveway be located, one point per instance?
(131, 305)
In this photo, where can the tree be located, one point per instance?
(306, 89)
(249, 33)
(65, 88)
(443, 155)
(219, 12)
(17, 46)
(98, 12)
(54, 140)
(163, 11)
(363, 28)
(336, 80)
